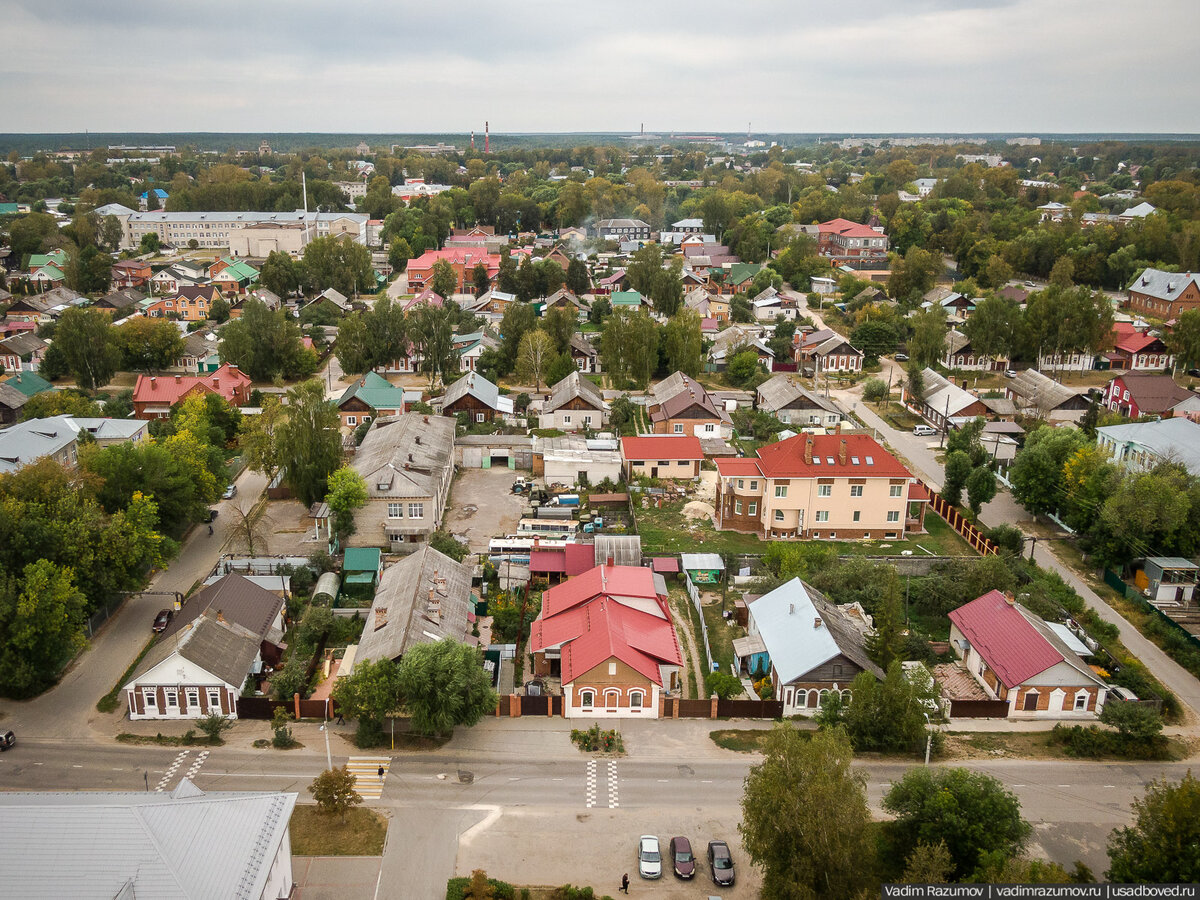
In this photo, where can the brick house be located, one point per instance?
(190, 304)
(608, 634)
(462, 259)
(836, 487)
(662, 456)
(153, 396)
(130, 273)
(1135, 395)
(848, 243)
(1018, 657)
(681, 405)
(809, 646)
(223, 634)
(1164, 295)
(961, 355)
(1135, 350)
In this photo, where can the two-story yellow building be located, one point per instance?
(835, 487)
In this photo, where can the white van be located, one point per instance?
(924, 430)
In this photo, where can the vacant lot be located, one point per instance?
(482, 506)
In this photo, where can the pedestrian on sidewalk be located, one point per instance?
(341, 720)
(625, 883)
(381, 774)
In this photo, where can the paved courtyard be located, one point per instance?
(483, 506)
(337, 878)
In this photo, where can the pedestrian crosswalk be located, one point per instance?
(365, 770)
(591, 788)
(177, 763)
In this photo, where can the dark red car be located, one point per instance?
(682, 861)
(162, 620)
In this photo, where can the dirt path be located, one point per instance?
(684, 625)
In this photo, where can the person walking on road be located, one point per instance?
(625, 883)
(381, 774)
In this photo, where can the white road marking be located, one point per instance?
(365, 770)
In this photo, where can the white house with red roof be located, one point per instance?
(608, 634)
(1018, 657)
(668, 456)
(831, 486)
(1138, 350)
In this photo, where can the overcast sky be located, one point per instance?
(376, 66)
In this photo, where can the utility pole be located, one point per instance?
(945, 424)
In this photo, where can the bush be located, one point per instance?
(444, 542)
(1008, 538)
(1090, 742)
(214, 725)
(456, 889)
(594, 740)
(723, 684)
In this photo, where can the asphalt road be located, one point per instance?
(515, 812)
(1005, 510)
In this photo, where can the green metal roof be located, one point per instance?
(361, 559)
(740, 272)
(625, 298)
(28, 383)
(360, 578)
(376, 391)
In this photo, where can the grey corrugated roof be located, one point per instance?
(477, 386)
(679, 391)
(186, 844)
(221, 648)
(574, 385)
(10, 397)
(238, 599)
(408, 618)
(384, 456)
(781, 392)
(1036, 390)
(1176, 439)
(1162, 285)
(27, 442)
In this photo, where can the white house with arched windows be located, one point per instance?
(607, 633)
(810, 646)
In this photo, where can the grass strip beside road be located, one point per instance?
(109, 702)
(315, 833)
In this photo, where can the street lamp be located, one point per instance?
(928, 738)
(328, 757)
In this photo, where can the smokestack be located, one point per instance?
(472, 138)
(808, 450)
(380, 617)
(487, 137)
(842, 452)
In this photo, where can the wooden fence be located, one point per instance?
(978, 709)
(959, 523)
(749, 709)
(264, 708)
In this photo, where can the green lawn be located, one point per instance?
(721, 633)
(317, 834)
(667, 531)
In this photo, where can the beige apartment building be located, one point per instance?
(832, 487)
(219, 229)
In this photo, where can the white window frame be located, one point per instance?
(824, 490)
(678, 428)
(893, 515)
(214, 700)
(566, 420)
(779, 515)
(637, 700)
(781, 491)
(416, 510)
(192, 695)
(752, 509)
(1085, 697)
(150, 698)
(351, 420)
(170, 698)
(896, 490)
(587, 699)
(858, 515)
(737, 507)
(395, 510)
(856, 490)
(478, 417)
(822, 515)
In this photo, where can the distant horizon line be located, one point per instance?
(651, 133)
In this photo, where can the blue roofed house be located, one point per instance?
(808, 645)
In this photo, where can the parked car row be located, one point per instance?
(683, 861)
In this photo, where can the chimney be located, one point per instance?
(817, 622)
(178, 379)
(216, 382)
(808, 449)
(220, 616)
(380, 617)
(791, 609)
(431, 600)
(842, 452)
(611, 561)
(1009, 598)
(153, 380)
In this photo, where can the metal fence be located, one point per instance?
(1117, 583)
(978, 709)
(264, 708)
(749, 709)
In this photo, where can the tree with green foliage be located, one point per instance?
(444, 542)
(927, 343)
(994, 327)
(683, 345)
(445, 685)
(875, 338)
(887, 715)
(147, 469)
(309, 442)
(1162, 846)
(68, 402)
(148, 344)
(258, 437)
(88, 270)
(914, 273)
(41, 626)
(280, 274)
(599, 311)
(781, 338)
(629, 347)
(89, 345)
(110, 233)
(518, 319)
(981, 488)
(369, 693)
(875, 390)
(622, 414)
(957, 470)
(399, 253)
(445, 280)
(742, 367)
(725, 685)
(577, 280)
(339, 262)
(334, 793)
(218, 311)
(886, 643)
(266, 343)
(973, 814)
(150, 243)
(1037, 471)
(480, 280)
(802, 855)
(560, 367)
(560, 323)
(346, 492)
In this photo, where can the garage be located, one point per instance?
(494, 451)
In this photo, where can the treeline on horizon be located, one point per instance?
(287, 142)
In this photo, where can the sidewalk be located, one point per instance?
(1004, 510)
